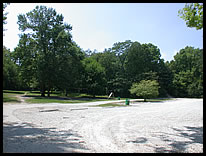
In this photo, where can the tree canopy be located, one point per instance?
(48, 48)
(187, 69)
(193, 15)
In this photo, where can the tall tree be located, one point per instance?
(187, 68)
(25, 56)
(10, 71)
(94, 77)
(53, 45)
(108, 60)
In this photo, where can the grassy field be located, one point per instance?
(60, 100)
(110, 105)
(55, 97)
(10, 96)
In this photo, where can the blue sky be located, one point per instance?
(100, 25)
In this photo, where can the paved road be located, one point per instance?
(157, 127)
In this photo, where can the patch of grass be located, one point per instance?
(60, 100)
(8, 97)
(109, 105)
(70, 95)
(156, 100)
(55, 97)
(13, 92)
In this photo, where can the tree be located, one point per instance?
(121, 51)
(145, 88)
(187, 70)
(108, 60)
(193, 15)
(10, 71)
(5, 13)
(25, 55)
(53, 52)
(94, 76)
(145, 57)
(120, 82)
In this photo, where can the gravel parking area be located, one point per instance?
(174, 126)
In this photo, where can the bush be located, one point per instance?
(146, 89)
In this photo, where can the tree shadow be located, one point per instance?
(139, 140)
(192, 134)
(24, 138)
(86, 98)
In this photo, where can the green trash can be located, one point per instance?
(118, 98)
(127, 102)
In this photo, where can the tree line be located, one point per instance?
(47, 59)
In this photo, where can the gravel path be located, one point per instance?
(174, 126)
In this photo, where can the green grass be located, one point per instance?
(59, 100)
(10, 97)
(13, 92)
(156, 100)
(109, 105)
(57, 97)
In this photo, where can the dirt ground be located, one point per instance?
(174, 126)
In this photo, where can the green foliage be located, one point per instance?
(49, 49)
(47, 59)
(10, 98)
(10, 71)
(5, 14)
(145, 88)
(187, 69)
(94, 76)
(193, 15)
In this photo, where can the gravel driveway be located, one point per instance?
(174, 126)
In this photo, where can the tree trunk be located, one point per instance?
(42, 91)
(48, 93)
(66, 93)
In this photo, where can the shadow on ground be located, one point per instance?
(66, 98)
(23, 138)
(192, 134)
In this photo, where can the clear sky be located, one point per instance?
(100, 25)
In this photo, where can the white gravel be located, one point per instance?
(174, 126)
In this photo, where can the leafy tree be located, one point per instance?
(25, 55)
(121, 82)
(108, 61)
(145, 57)
(10, 71)
(187, 69)
(53, 50)
(5, 13)
(145, 88)
(121, 51)
(94, 76)
(193, 15)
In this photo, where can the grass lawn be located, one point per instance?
(60, 100)
(10, 96)
(109, 105)
(156, 100)
(56, 97)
